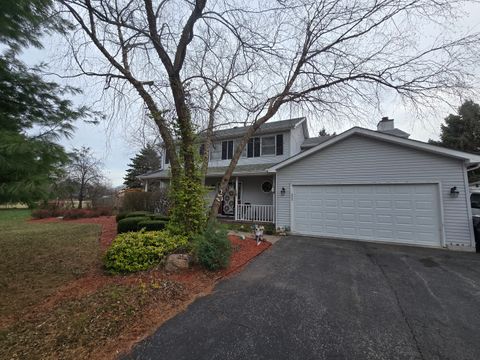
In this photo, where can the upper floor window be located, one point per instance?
(167, 159)
(265, 146)
(268, 145)
(253, 147)
(227, 149)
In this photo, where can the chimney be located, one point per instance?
(385, 124)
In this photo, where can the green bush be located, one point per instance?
(120, 216)
(151, 225)
(160, 217)
(129, 224)
(212, 248)
(269, 229)
(138, 213)
(137, 251)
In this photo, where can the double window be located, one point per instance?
(256, 147)
(265, 146)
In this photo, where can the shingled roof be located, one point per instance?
(267, 128)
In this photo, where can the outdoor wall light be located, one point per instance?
(454, 192)
(282, 192)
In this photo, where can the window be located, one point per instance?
(268, 145)
(201, 150)
(167, 159)
(253, 148)
(227, 149)
(267, 186)
(279, 147)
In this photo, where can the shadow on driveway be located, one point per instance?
(310, 298)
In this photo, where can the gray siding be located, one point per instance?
(359, 159)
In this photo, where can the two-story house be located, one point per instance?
(361, 184)
(250, 196)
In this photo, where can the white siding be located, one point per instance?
(297, 138)
(361, 160)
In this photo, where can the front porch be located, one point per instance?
(248, 198)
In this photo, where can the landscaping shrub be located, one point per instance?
(138, 213)
(41, 213)
(137, 251)
(129, 224)
(155, 201)
(269, 229)
(120, 216)
(160, 217)
(104, 211)
(212, 248)
(151, 225)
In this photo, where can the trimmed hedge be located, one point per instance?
(151, 225)
(120, 216)
(160, 217)
(130, 224)
(138, 213)
(137, 251)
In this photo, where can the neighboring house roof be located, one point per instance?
(419, 145)
(395, 132)
(244, 170)
(267, 128)
(311, 142)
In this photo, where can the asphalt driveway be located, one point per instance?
(307, 298)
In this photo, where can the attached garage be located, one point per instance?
(367, 186)
(398, 213)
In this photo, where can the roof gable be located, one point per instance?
(418, 145)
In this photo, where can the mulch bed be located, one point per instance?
(196, 282)
(109, 226)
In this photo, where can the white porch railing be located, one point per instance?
(259, 213)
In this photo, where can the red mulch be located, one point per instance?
(197, 281)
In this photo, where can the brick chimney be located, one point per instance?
(385, 124)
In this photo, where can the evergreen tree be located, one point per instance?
(146, 160)
(33, 112)
(462, 131)
(324, 132)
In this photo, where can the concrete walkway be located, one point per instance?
(308, 298)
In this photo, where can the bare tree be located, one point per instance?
(84, 170)
(336, 57)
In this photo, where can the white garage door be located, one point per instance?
(391, 213)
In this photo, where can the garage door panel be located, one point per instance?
(402, 213)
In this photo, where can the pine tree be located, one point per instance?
(33, 112)
(461, 131)
(146, 160)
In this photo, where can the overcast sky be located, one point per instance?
(110, 143)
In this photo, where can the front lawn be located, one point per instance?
(58, 302)
(37, 259)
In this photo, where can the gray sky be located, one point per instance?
(111, 144)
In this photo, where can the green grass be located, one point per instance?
(37, 259)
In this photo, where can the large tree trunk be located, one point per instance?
(233, 163)
(208, 137)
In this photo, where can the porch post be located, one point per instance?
(236, 197)
(146, 185)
